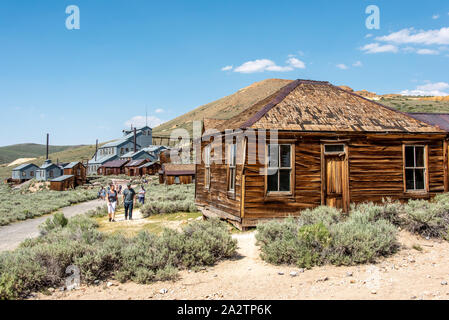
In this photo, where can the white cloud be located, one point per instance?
(427, 52)
(262, 65)
(296, 63)
(140, 121)
(227, 68)
(435, 16)
(429, 89)
(412, 36)
(377, 48)
(159, 110)
(357, 64)
(342, 66)
(369, 35)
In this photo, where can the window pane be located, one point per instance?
(285, 156)
(273, 155)
(409, 157)
(334, 148)
(419, 176)
(419, 156)
(273, 181)
(409, 179)
(284, 180)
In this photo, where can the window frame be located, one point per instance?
(281, 194)
(207, 162)
(425, 190)
(232, 169)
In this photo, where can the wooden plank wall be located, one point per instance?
(375, 172)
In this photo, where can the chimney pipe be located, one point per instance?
(135, 140)
(96, 150)
(48, 141)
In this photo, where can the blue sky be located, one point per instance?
(170, 57)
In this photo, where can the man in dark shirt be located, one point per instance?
(129, 196)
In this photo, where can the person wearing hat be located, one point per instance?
(129, 197)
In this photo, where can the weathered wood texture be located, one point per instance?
(80, 173)
(63, 185)
(375, 171)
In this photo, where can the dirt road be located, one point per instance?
(12, 235)
(410, 274)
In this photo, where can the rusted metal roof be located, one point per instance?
(136, 163)
(178, 169)
(313, 106)
(440, 120)
(115, 164)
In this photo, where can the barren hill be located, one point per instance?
(224, 108)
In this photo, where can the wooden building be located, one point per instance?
(48, 171)
(78, 170)
(333, 148)
(177, 173)
(150, 168)
(132, 168)
(63, 183)
(116, 167)
(24, 172)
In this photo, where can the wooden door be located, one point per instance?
(336, 182)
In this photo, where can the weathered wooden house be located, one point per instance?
(78, 170)
(63, 183)
(177, 173)
(132, 168)
(24, 172)
(48, 171)
(116, 167)
(333, 148)
(150, 168)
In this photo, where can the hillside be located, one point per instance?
(224, 108)
(234, 104)
(28, 150)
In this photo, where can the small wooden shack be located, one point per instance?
(78, 170)
(116, 167)
(63, 183)
(150, 168)
(132, 168)
(177, 173)
(333, 148)
(24, 172)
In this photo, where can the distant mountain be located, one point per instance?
(28, 150)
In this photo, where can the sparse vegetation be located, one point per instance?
(326, 235)
(22, 204)
(41, 263)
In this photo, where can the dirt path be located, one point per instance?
(410, 274)
(12, 235)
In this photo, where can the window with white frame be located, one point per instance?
(415, 168)
(279, 171)
(207, 167)
(232, 167)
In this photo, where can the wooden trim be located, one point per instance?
(445, 166)
(346, 186)
(426, 170)
(323, 177)
(340, 141)
(281, 194)
(404, 182)
(426, 163)
(242, 174)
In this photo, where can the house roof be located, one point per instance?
(440, 120)
(47, 165)
(71, 165)
(115, 164)
(24, 166)
(118, 143)
(62, 178)
(148, 164)
(103, 159)
(136, 163)
(178, 169)
(305, 105)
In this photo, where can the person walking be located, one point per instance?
(141, 195)
(112, 200)
(103, 193)
(129, 197)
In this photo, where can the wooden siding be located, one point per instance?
(375, 170)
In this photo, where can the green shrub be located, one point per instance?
(40, 263)
(57, 221)
(428, 218)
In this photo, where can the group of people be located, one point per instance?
(129, 196)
